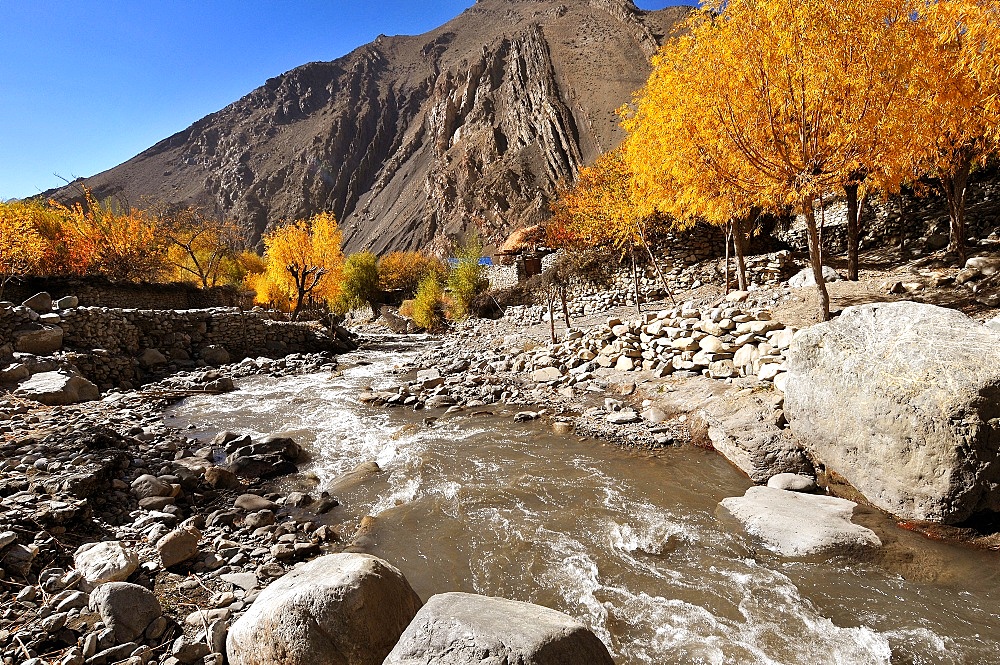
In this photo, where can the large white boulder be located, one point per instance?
(466, 629)
(58, 388)
(106, 561)
(902, 400)
(793, 524)
(339, 609)
(805, 277)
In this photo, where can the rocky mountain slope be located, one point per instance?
(411, 139)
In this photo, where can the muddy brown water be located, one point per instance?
(629, 542)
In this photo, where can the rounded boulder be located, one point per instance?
(339, 609)
(127, 609)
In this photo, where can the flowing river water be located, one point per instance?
(629, 542)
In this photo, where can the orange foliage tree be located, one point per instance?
(605, 208)
(403, 271)
(113, 240)
(304, 259)
(21, 246)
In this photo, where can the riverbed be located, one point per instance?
(629, 542)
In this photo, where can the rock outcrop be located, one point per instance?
(409, 139)
(902, 400)
(339, 609)
(466, 629)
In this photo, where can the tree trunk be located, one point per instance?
(656, 267)
(816, 260)
(822, 228)
(552, 318)
(565, 307)
(635, 283)
(954, 185)
(903, 220)
(298, 304)
(740, 234)
(853, 230)
(729, 237)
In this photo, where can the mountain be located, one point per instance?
(410, 140)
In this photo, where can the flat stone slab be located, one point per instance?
(58, 389)
(794, 524)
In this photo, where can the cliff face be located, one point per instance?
(409, 140)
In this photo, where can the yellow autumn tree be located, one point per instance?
(761, 105)
(956, 49)
(21, 246)
(304, 259)
(201, 248)
(606, 208)
(49, 223)
(403, 271)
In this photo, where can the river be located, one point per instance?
(630, 542)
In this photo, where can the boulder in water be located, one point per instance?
(466, 629)
(793, 524)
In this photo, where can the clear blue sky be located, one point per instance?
(87, 84)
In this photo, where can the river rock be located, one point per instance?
(58, 388)
(147, 485)
(40, 302)
(901, 399)
(337, 609)
(466, 629)
(793, 482)
(214, 354)
(253, 503)
(178, 546)
(66, 302)
(103, 562)
(805, 277)
(986, 265)
(793, 524)
(222, 479)
(151, 358)
(127, 609)
(546, 374)
(38, 340)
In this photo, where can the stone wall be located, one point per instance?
(882, 224)
(107, 344)
(123, 347)
(98, 292)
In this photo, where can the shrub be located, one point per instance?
(428, 306)
(360, 284)
(465, 280)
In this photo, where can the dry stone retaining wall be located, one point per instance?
(96, 292)
(106, 342)
(882, 224)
